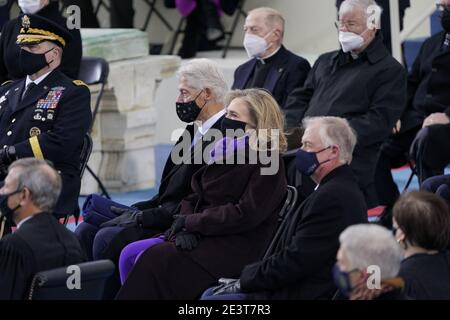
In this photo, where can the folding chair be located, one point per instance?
(52, 284)
(95, 71)
(153, 9)
(84, 158)
(412, 166)
(284, 216)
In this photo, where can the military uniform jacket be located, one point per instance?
(49, 123)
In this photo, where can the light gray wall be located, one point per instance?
(309, 29)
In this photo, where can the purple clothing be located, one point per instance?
(131, 253)
(97, 210)
(226, 147)
(186, 7)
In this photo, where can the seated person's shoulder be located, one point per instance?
(80, 83)
(13, 242)
(434, 40)
(299, 60)
(6, 85)
(78, 86)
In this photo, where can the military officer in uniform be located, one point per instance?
(45, 115)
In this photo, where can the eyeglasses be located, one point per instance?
(348, 25)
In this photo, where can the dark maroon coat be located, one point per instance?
(235, 209)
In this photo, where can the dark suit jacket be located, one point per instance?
(428, 83)
(9, 50)
(40, 244)
(288, 72)
(176, 177)
(50, 123)
(301, 268)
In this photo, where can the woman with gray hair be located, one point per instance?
(368, 262)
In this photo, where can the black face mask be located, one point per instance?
(5, 210)
(30, 63)
(446, 20)
(230, 124)
(189, 111)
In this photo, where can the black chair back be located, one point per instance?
(284, 217)
(85, 153)
(94, 71)
(55, 284)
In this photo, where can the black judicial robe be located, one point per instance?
(40, 244)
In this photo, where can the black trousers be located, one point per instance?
(431, 151)
(122, 14)
(195, 34)
(394, 153)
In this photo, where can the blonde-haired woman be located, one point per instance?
(230, 218)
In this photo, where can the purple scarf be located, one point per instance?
(186, 7)
(227, 146)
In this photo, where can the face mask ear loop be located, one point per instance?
(201, 109)
(2, 226)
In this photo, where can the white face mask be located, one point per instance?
(30, 6)
(255, 45)
(350, 41)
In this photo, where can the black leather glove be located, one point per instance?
(126, 218)
(7, 156)
(177, 226)
(186, 240)
(228, 286)
(156, 218)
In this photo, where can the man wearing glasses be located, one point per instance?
(425, 125)
(386, 18)
(362, 82)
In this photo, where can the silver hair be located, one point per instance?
(367, 245)
(204, 73)
(41, 179)
(334, 131)
(370, 7)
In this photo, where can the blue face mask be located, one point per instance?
(342, 281)
(307, 162)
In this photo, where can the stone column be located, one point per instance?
(124, 130)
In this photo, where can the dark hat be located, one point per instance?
(36, 29)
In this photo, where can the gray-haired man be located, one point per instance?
(28, 198)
